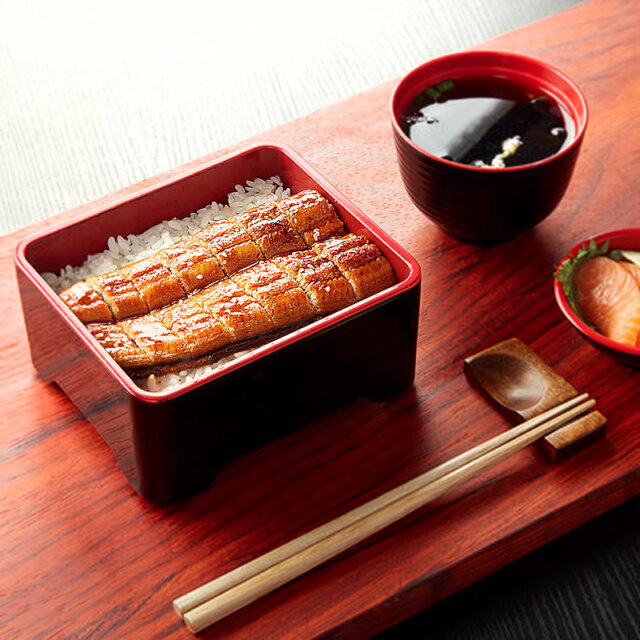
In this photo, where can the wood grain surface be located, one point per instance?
(584, 585)
(84, 557)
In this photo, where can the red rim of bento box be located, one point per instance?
(616, 238)
(382, 239)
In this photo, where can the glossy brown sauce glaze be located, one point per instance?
(220, 250)
(266, 297)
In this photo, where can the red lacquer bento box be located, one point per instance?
(171, 444)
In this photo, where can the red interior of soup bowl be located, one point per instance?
(620, 239)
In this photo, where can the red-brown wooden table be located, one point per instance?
(83, 556)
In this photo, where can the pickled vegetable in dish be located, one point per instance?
(603, 288)
(492, 123)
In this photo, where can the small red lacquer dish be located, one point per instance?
(625, 354)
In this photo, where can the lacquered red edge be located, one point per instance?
(616, 238)
(580, 127)
(381, 239)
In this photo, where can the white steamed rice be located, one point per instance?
(122, 251)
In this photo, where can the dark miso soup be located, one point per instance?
(487, 122)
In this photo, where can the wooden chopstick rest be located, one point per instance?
(494, 370)
(574, 436)
(227, 594)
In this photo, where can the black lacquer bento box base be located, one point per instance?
(170, 445)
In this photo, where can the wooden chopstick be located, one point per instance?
(232, 591)
(227, 581)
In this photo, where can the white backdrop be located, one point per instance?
(95, 96)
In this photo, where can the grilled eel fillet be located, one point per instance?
(220, 250)
(270, 295)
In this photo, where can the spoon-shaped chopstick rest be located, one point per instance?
(522, 385)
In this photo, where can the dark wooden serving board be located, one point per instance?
(82, 556)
